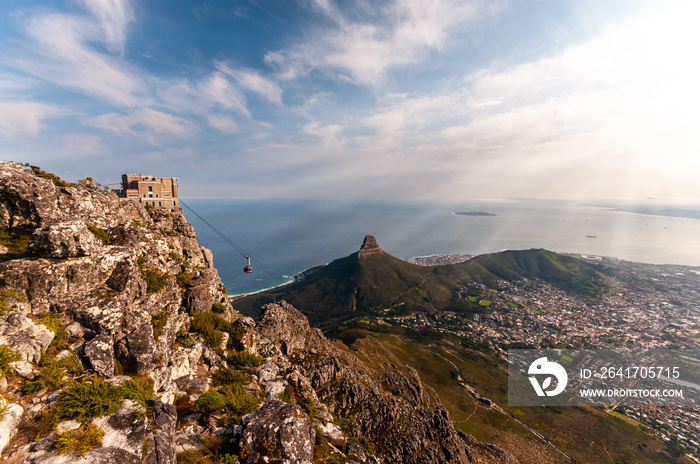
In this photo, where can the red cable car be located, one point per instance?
(248, 269)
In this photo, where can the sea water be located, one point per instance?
(287, 236)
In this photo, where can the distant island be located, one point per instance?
(474, 213)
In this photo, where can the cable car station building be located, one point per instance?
(150, 190)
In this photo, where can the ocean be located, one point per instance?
(286, 236)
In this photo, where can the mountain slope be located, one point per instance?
(372, 281)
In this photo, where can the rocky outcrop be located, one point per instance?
(65, 240)
(29, 338)
(9, 421)
(369, 247)
(278, 431)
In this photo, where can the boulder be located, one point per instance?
(29, 338)
(278, 431)
(100, 352)
(282, 329)
(137, 351)
(126, 429)
(65, 240)
(12, 414)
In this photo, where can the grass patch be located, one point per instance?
(218, 308)
(485, 303)
(89, 398)
(243, 359)
(237, 403)
(184, 339)
(52, 372)
(211, 328)
(57, 181)
(155, 280)
(100, 233)
(16, 242)
(229, 376)
(183, 278)
(210, 402)
(81, 440)
(7, 356)
(158, 321)
(60, 339)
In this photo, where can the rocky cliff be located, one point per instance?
(118, 344)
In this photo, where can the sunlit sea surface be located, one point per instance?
(285, 236)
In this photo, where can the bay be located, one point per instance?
(287, 236)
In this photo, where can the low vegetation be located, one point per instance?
(16, 242)
(57, 181)
(51, 373)
(243, 359)
(158, 321)
(86, 399)
(100, 233)
(7, 356)
(155, 280)
(81, 440)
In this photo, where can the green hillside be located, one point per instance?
(376, 283)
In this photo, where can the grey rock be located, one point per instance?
(64, 240)
(9, 422)
(137, 351)
(125, 429)
(29, 338)
(282, 329)
(100, 352)
(278, 431)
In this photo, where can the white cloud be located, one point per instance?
(144, 123)
(23, 118)
(223, 123)
(218, 90)
(392, 35)
(253, 81)
(330, 134)
(62, 51)
(114, 17)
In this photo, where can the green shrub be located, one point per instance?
(60, 339)
(138, 390)
(288, 394)
(218, 307)
(237, 402)
(155, 280)
(182, 278)
(158, 321)
(88, 398)
(4, 305)
(52, 372)
(81, 440)
(210, 402)
(211, 327)
(308, 405)
(193, 457)
(16, 242)
(100, 233)
(57, 181)
(229, 376)
(183, 338)
(242, 359)
(7, 355)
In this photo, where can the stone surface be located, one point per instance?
(100, 352)
(125, 429)
(9, 422)
(65, 240)
(21, 333)
(369, 247)
(282, 329)
(278, 431)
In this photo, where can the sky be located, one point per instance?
(392, 100)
